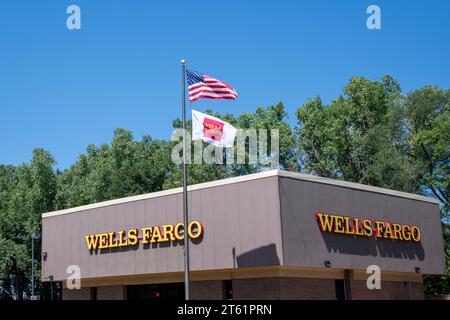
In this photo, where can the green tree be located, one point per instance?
(27, 191)
(271, 117)
(428, 124)
(125, 168)
(357, 137)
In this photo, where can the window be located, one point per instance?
(339, 286)
(94, 293)
(160, 291)
(227, 287)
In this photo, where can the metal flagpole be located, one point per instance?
(185, 196)
(32, 265)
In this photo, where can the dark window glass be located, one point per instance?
(94, 293)
(155, 292)
(227, 289)
(339, 286)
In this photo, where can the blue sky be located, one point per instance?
(63, 89)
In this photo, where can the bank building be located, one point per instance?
(269, 235)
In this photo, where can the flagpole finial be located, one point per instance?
(183, 61)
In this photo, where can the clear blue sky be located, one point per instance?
(62, 90)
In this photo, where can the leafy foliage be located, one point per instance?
(27, 192)
(356, 138)
(124, 168)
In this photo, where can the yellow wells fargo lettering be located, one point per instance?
(153, 234)
(365, 227)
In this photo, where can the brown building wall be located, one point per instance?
(321, 289)
(262, 221)
(305, 245)
(284, 289)
(256, 289)
(111, 293)
(76, 294)
(390, 290)
(206, 290)
(273, 288)
(307, 289)
(241, 229)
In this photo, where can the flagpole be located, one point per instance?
(185, 198)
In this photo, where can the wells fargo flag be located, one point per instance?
(212, 130)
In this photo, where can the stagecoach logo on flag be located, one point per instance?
(212, 130)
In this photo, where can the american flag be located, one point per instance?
(203, 86)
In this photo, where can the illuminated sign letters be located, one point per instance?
(147, 235)
(367, 228)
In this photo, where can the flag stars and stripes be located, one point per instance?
(206, 87)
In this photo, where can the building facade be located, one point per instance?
(270, 235)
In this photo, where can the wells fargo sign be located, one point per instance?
(153, 234)
(367, 227)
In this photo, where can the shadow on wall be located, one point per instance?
(262, 256)
(365, 246)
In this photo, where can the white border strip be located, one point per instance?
(260, 175)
